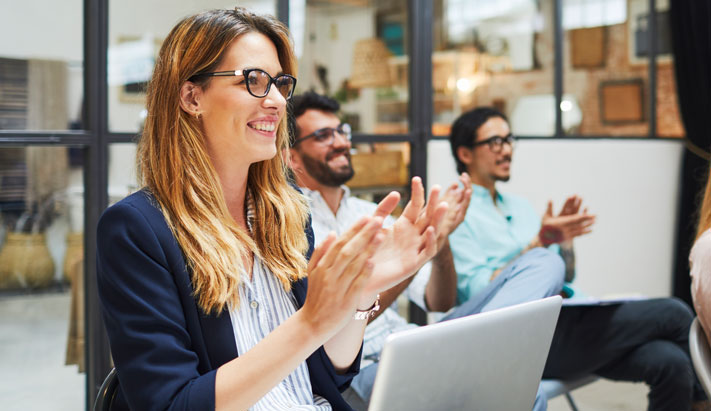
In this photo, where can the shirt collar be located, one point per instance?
(483, 192)
(313, 195)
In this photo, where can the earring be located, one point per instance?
(197, 115)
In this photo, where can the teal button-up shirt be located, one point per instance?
(490, 236)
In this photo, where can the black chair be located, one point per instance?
(107, 392)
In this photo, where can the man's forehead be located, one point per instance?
(318, 118)
(494, 126)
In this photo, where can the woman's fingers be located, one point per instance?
(358, 244)
(417, 200)
(429, 247)
(426, 218)
(332, 254)
(361, 268)
(387, 205)
(321, 250)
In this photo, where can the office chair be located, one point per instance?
(700, 355)
(554, 388)
(107, 392)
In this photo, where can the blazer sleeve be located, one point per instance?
(143, 312)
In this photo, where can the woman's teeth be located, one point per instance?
(263, 126)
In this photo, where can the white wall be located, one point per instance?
(632, 186)
(42, 29)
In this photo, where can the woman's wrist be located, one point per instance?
(367, 301)
(369, 312)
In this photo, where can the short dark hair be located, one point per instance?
(308, 101)
(466, 127)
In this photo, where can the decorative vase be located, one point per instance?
(73, 255)
(25, 261)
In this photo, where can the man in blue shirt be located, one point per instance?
(502, 252)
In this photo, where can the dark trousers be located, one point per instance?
(642, 341)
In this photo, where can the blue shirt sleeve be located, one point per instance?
(470, 262)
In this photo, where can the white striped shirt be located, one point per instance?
(264, 304)
(350, 210)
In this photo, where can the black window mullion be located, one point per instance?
(97, 352)
(421, 99)
(282, 11)
(558, 39)
(652, 41)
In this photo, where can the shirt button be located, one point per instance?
(254, 304)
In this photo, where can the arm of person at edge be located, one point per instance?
(406, 246)
(561, 229)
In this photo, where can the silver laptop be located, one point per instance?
(489, 361)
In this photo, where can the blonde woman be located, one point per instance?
(203, 273)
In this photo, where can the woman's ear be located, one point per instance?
(190, 94)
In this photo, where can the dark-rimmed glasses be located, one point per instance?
(258, 81)
(496, 143)
(327, 135)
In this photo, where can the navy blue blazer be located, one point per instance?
(165, 348)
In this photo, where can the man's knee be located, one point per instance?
(670, 365)
(678, 309)
(549, 264)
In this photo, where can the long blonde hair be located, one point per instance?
(174, 166)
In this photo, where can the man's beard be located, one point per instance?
(323, 174)
(502, 178)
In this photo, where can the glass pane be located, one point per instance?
(355, 52)
(494, 53)
(122, 171)
(606, 72)
(41, 74)
(669, 122)
(134, 40)
(41, 278)
(380, 168)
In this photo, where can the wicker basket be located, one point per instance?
(25, 261)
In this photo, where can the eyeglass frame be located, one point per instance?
(340, 130)
(496, 141)
(245, 74)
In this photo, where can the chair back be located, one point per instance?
(700, 355)
(107, 392)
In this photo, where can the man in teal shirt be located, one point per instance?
(501, 259)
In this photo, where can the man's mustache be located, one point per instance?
(504, 159)
(338, 152)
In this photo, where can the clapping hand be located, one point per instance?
(568, 224)
(338, 271)
(457, 198)
(410, 241)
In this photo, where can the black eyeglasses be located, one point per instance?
(496, 143)
(258, 81)
(327, 135)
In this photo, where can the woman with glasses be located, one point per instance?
(202, 274)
